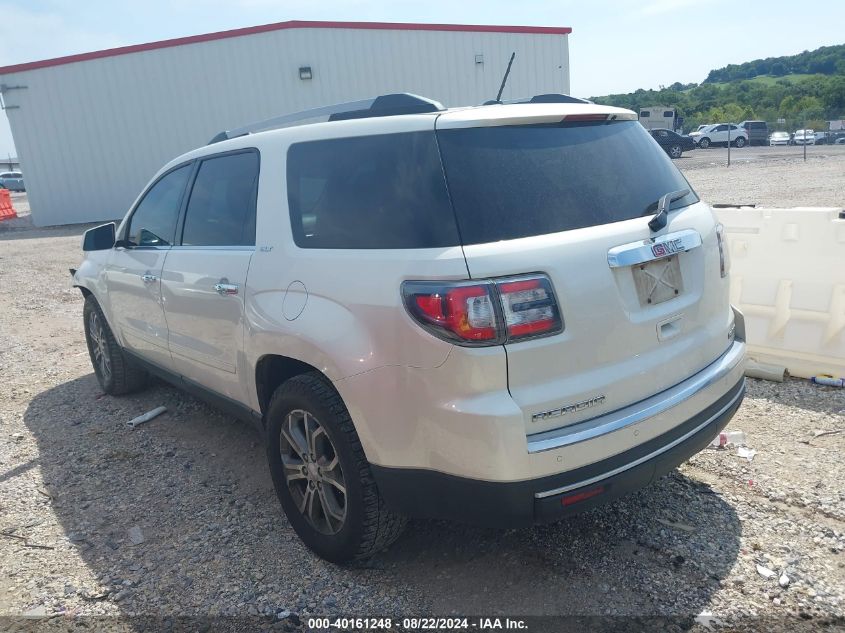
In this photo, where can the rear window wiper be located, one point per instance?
(660, 218)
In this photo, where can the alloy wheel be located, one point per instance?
(99, 345)
(312, 472)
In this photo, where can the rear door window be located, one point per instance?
(369, 192)
(221, 209)
(518, 181)
(153, 222)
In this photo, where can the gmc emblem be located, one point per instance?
(669, 247)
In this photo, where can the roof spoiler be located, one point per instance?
(383, 105)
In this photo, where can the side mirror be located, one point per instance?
(100, 238)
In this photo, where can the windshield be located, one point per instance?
(518, 181)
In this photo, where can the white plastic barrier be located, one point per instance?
(788, 278)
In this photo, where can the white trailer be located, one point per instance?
(91, 129)
(658, 117)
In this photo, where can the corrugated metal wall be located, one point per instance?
(90, 134)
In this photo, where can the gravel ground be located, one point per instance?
(781, 181)
(179, 518)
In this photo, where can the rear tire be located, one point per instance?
(115, 372)
(740, 142)
(675, 151)
(704, 143)
(321, 475)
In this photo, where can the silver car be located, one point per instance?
(12, 180)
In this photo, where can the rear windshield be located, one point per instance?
(511, 182)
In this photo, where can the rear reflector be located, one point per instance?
(577, 497)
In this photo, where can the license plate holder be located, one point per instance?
(658, 280)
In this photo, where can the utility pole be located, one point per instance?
(729, 144)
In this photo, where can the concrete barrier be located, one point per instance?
(788, 278)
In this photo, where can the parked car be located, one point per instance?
(779, 138)
(673, 143)
(840, 141)
(718, 135)
(521, 345)
(12, 180)
(820, 138)
(804, 137)
(758, 132)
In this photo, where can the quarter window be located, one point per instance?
(369, 192)
(154, 221)
(221, 209)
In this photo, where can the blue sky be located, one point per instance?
(616, 45)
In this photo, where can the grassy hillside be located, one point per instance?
(812, 95)
(827, 60)
(771, 80)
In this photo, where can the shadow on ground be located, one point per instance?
(215, 542)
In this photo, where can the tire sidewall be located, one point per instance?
(704, 143)
(675, 151)
(337, 547)
(108, 385)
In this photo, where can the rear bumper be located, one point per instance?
(431, 494)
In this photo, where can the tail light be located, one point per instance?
(479, 313)
(724, 255)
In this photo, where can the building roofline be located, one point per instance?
(281, 26)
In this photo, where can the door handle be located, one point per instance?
(148, 279)
(226, 289)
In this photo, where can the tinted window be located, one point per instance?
(510, 182)
(154, 221)
(668, 113)
(645, 113)
(384, 191)
(221, 210)
(720, 128)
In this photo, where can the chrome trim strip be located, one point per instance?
(645, 458)
(642, 251)
(654, 405)
(190, 247)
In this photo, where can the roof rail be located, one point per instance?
(556, 98)
(546, 98)
(383, 105)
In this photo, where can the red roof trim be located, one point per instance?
(280, 26)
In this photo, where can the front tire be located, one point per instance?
(675, 151)
(704, 143)
(116, 373)
(321, 475)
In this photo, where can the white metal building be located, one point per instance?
(92, 129)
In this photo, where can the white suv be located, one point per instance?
(720, 134)
(501, 314)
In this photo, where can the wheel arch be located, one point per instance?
(273, 370)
